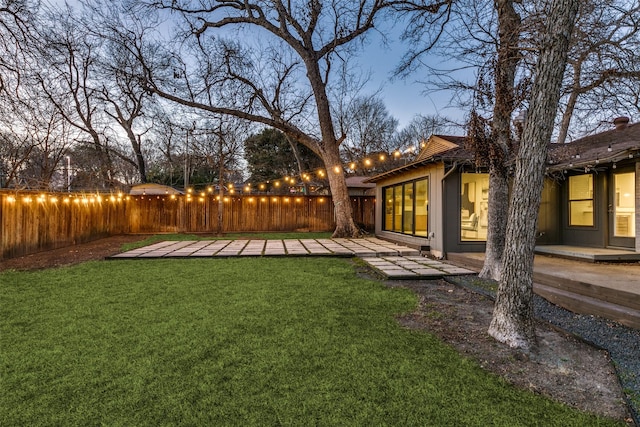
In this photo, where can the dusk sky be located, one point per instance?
(404, 98)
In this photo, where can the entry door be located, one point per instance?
(622, 209)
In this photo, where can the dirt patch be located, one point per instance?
(98, 249)
(563, 367)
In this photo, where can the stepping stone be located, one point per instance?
(376, 261)
(428, 272)
(399, 273)
(457, 271)
(294, 247)
(274, 247)
(314, 247)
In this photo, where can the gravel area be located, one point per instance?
(622, 342)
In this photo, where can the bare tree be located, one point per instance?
(484, 37)
(512, 321)
(418, 130)
(500, 142)
(369, 128)
(604, 60)
(34, 138)
(289, 86)
(127, 103)
(219, 141)
(15, 150)
(69, 82)
(18, 19)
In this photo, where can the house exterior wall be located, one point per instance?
(444, 223)
(549, 221)
(637, 205)
(601, 235)
(434, 173)
(595, 236)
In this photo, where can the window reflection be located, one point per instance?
(422, 207)
(625, 204)
(474, 206)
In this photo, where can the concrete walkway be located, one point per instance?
(391, 260)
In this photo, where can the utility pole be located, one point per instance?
(68, 174)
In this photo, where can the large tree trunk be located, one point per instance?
(220, 217)
(345, 225)
(496, 223)
(512, 321)
(507, 63)
(329, 149)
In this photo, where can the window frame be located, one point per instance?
(591, 200)
(399, 192)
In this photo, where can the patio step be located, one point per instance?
(613, 296)
(575, 295)
(583, 304)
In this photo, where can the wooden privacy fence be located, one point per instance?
(32, 221)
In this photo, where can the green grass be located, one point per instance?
(266, 236)
(242, 341)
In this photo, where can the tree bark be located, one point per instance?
(220, 217)
(496, 223)
(506, 66)
(512, 321)
(345, 225)
(329, 149)
(570, 107)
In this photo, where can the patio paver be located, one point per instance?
(391, 260)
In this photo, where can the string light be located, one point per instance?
(291, 181)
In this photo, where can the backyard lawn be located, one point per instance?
(242, 341)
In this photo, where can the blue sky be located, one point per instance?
(404, 98)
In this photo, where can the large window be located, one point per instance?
(474, 206)
(581, 200)
(406, 207)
